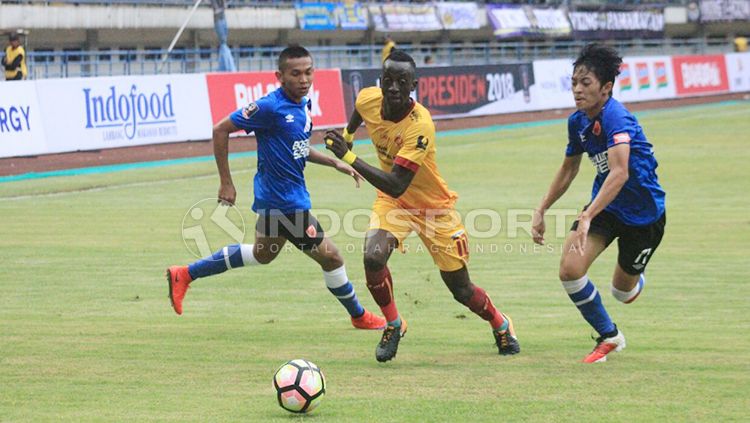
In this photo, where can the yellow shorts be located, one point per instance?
(441, 231)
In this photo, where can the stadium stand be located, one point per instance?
(71, 38)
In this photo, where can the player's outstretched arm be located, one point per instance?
(220, 139)
(394, 183)
(560, 183)
(317, 157)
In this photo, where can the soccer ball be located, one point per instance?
(300, 386)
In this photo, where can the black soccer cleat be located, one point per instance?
(507, 343)
(388, 345)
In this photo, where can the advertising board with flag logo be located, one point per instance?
(644, 78)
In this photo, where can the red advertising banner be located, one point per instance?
(228, 92)
(700, 74)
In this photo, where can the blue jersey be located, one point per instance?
(282, 129)
(641, 200)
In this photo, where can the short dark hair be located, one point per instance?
(600, 59)
(13, 37)
(398, 55)
(292, 52)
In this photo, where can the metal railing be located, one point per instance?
(147, 62)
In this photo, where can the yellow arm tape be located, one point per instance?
(349, 157)
(349, 138)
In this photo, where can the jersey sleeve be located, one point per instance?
(418, 140)
(620, 127)
(254, 116)
(366, 103)
(574, 147)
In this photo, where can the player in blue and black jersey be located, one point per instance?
(627, 202)
(282, 124)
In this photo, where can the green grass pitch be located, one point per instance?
(87, 332)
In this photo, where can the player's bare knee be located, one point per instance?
(374, 261)
(264, 255)
(333, 260)
(570, 273)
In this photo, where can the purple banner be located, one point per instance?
(608, 24)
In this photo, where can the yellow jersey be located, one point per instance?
(410, 143)
(10, 55)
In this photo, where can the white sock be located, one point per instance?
(248, 258)
(571, 287)
(336, 277)
(624, 296)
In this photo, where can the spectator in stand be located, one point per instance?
(387, 47)
(14, 60)
(740, 44)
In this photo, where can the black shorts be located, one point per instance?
(635, 244)
(301, 228)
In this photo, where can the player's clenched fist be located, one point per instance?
(335, 142)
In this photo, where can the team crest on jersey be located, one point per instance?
(597, 128)
(311, 231)
(399, 141)
(422, 142)
(249, 110)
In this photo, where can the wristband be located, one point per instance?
(349, 138)
(349, 157)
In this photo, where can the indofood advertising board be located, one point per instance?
(94, 113)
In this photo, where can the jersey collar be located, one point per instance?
(400, 118)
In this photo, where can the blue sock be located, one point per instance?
(586, 297)
(348, 298)
(227, 258)
(339, 285)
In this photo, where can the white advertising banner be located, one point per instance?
(551, 89)
(94, 113)
(644, 79)
(458, 15)
(404, 17)
(738, 71)
(21, 131)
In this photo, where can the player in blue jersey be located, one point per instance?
(283, 126)
(627, 201)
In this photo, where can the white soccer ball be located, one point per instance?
(300, 386)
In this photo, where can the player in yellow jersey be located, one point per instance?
(412, 196)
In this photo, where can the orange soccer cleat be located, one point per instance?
(178, 279)
(368, 320)
(605, 346)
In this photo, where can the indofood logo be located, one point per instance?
(131, 114)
